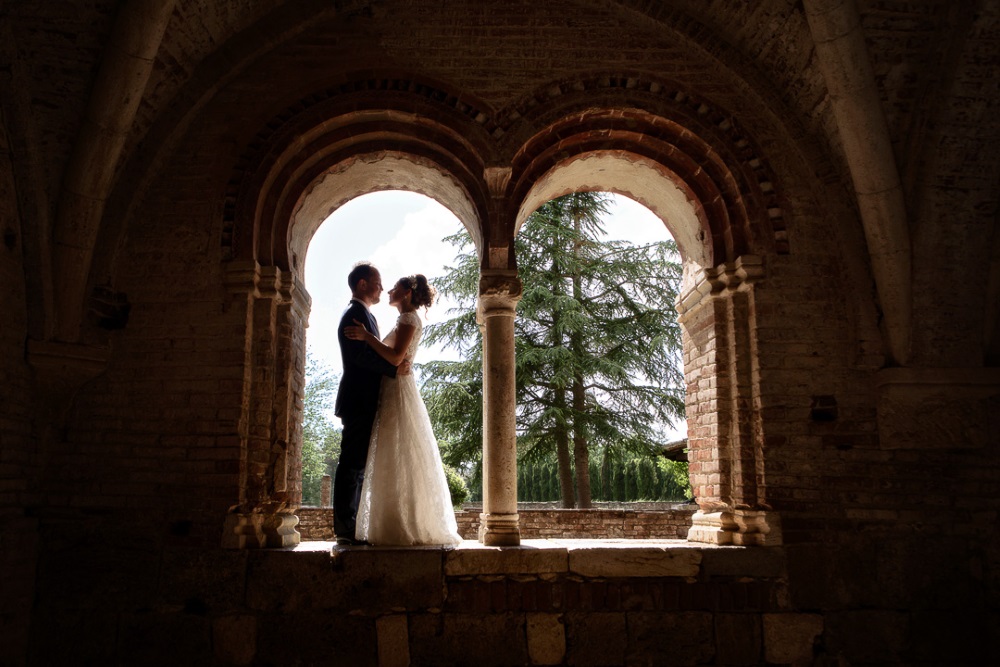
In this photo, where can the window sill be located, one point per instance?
(588, 558)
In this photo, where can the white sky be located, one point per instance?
(401, 234)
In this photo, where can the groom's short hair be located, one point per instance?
(361, 271)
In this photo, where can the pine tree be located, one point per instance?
(631, 488)
(597, 345)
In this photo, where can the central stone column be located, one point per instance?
(499, 291)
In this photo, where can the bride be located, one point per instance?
(404, 496)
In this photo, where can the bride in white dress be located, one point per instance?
(404, 497)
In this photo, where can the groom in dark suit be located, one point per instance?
(357, 399)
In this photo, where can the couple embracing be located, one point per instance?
(390, 486)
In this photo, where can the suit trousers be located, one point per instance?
(350, 473)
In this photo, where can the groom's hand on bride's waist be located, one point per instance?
(404, 368)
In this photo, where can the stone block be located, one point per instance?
(546, 639)
(763, 562)
(212, 580)
(484, 640)
(826, 575)
(73, 637)
(591, 559)
(358, 579)
(953, 636)
(595, 639)
(738, 639)
(283, 580)
(867, 636)
(669, 638)
(393, 641)
(165, 639)
(789, 638)
(410, 578)
(316, 638)
(531, 557)
(234, 639)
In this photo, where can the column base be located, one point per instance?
(499, 530)
(260, 531)
(737, 527)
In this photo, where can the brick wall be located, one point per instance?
(114, 489)
(316, 523)
(18, 531)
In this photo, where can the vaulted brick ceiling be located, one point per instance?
(500, 52)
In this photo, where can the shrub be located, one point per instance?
(456, 486)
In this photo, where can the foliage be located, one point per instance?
(456, 486)
(453, 391)
(320, 438)
(597, 346)
(653, 479)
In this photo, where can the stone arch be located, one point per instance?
(721, 213)
(646, 181)
(658, 123)
(307, 161)
(422, 126)
(362, 174)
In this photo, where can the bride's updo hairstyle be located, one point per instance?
(422, 293)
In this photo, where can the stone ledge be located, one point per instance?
(597, 560)
(585, 558)
(531, 557)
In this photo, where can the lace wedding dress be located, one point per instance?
(404, 497)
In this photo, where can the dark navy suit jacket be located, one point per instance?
(363, 367)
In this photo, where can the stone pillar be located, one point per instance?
(725, 431)
(276, 311)
(499, 291)
(325, 488)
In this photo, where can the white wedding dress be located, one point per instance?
(404, 497)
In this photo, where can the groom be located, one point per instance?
(357, 398)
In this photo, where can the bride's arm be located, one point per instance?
(393, 354)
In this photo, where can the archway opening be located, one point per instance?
(400, 232)
(600, 363)
(618, 298)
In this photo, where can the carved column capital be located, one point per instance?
(241, 276)
(724, 279)
(497, 179)
(267, 282)
(272, 284)
(499, 292)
